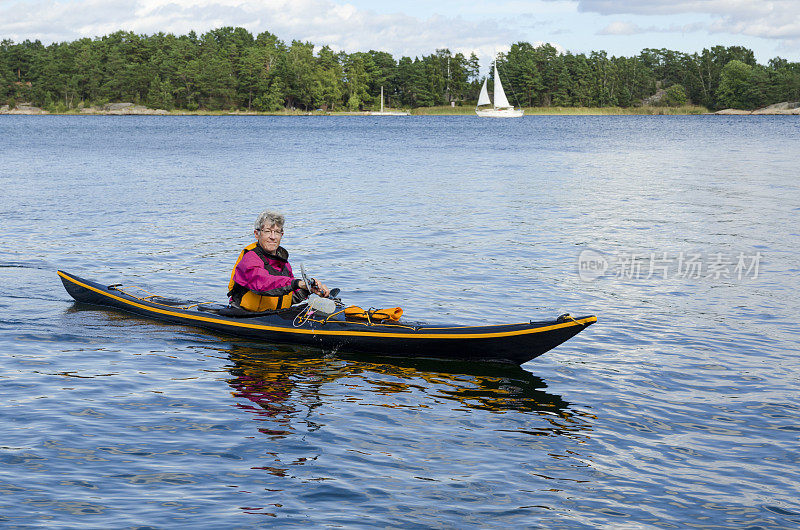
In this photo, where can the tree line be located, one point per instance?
(229, 68)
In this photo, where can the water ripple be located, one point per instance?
(678, 409)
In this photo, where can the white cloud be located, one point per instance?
(414, 28)
(621, 28)
(629, 28)
(774, 19)
(339, 25)
(671, 7)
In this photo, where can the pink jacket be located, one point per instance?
(252, 274)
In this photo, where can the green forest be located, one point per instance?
(230, 69)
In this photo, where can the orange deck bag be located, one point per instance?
(393, 313)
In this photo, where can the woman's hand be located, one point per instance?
(319, 289)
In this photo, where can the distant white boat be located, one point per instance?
(389, 112)
(501, 108)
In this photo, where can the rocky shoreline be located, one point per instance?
(131, 109)
(22, 109)
(785, 108)
(111, 109)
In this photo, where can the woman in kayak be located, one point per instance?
(262, 278)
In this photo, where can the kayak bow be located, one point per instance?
(514, 343)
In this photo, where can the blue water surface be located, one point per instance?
(678, 409)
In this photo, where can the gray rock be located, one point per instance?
(785, 108)
(114, 107)
(22, 108)
(656, 99)
(733, 112)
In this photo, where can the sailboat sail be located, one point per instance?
(500, 99)
(483, 98)
(501, 108)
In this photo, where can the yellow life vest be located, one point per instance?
(251, 301)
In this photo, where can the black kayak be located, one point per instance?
(511, 343)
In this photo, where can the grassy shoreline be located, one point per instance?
(137, 110)
(572, 111)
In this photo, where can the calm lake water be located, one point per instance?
(678, 409)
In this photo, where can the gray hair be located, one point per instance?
(268, 218)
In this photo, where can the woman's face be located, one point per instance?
(269, 238)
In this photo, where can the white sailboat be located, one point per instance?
(501, 108)
(389, 112)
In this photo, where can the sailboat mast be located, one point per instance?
(501, 108)
(381, 98)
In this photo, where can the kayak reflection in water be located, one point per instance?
(262, 277)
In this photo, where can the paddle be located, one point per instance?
(312, 283)
(317, 302)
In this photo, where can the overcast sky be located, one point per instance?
(419, 27)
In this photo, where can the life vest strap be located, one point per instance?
(250, 300)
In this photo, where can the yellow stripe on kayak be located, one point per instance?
(581, 322)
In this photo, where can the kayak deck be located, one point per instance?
(514, 343)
